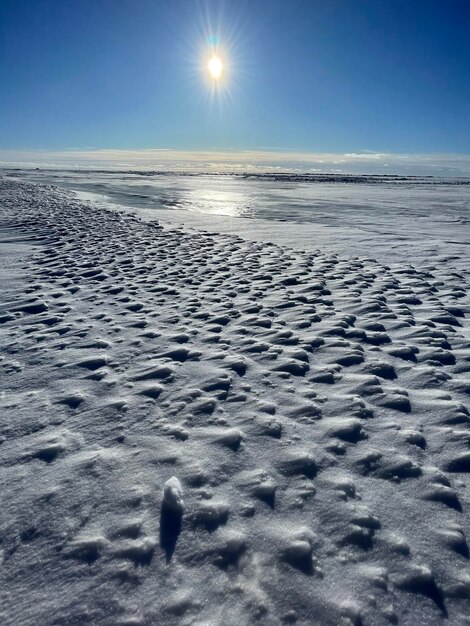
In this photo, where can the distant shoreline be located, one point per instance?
(268, 176)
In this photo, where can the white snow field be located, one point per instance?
(391, 218)
(199, 428)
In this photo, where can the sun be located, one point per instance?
(215, 67)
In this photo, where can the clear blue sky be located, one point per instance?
(313, 75)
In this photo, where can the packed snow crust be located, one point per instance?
(391, 219)
(201, 429)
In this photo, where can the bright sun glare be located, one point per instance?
(215, 67)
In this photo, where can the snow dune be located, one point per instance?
(201, 429)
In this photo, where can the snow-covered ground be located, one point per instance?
(392, 219)
(199, 428)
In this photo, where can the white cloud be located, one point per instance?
(367, 162)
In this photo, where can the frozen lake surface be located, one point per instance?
(389, 218)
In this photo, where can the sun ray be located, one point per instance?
(217, 52)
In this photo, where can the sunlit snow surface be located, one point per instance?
(199, 428)
(389, 218)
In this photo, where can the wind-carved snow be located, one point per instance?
(173, 494)
(201, 429)
(394, 219)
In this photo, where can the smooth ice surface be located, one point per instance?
(309, 401)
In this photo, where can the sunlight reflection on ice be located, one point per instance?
(217, 202)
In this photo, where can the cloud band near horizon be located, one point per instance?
(258, 160)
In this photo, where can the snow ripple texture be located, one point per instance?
(198, 429)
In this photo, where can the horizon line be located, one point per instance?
(236, 160)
